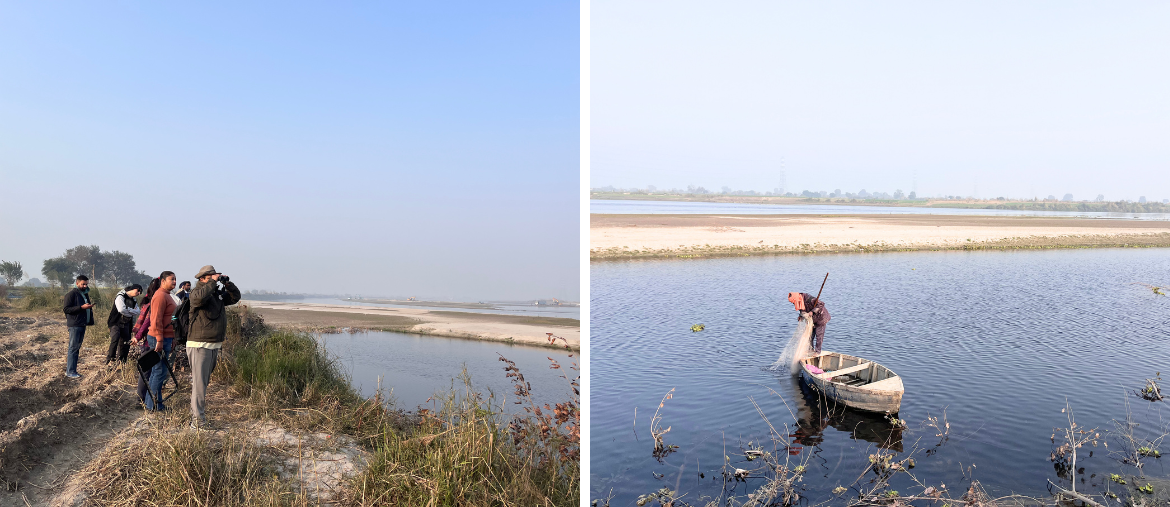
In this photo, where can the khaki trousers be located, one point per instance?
(202, 364)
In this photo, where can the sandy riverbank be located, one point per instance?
(687, 236)
(478, 326)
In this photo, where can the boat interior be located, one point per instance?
(853, 371)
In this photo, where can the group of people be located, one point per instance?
(198, 314)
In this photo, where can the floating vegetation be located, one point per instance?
(1152, 391)
(664, 496)
(898, 424)
(1117, 478)
(1148, 452)
(1147, 489)
(1160, 291)
(697, 327)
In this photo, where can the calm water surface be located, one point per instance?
(998, 339)
(415, 366)
(652, 207)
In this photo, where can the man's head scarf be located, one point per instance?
(797, 300)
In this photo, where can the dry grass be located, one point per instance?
(460, 453)
(167, 465)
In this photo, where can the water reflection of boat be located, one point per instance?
(853, 381)
(816, 413)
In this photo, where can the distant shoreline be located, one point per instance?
(695, 236)
(513, 329)
(925, 203)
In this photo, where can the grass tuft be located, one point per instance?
(176, 467)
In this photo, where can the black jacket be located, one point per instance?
(116, 318)
(75, 315)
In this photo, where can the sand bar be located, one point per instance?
(693, 235)
(478, 326)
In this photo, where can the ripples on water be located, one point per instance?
(1000, 339)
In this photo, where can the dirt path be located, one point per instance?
(50, 426)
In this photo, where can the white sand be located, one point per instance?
(465, 325)
(839, 231)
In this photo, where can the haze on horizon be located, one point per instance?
(982, 99)
(379, 149)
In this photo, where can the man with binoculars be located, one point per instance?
(207, 331)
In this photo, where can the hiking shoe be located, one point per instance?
(73, 375)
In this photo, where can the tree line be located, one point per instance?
(110, 268)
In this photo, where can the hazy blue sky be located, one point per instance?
(379, 148)
(1012, 98)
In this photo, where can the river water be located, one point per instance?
(414, 366)
(1000, 340)
(623, 207)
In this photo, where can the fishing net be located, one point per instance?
(798, 346)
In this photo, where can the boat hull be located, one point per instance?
(884, 397)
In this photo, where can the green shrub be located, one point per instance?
(43, 298)
(290, 366)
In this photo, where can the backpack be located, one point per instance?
(182, 322)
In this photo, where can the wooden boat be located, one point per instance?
(854, 382)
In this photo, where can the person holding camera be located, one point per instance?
(208, 329)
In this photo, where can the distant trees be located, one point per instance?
(913, 195)
(111, 268)
(58, 271)
(898, 194)
(1067, 198)
(12, 272)
(1100, 197)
